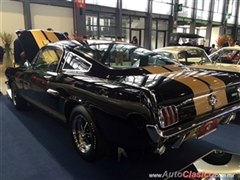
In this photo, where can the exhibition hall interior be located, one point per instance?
(119, 89)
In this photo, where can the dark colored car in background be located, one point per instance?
(108, 97)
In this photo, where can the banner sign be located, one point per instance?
(80, 3)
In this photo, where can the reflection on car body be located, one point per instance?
(128, 106)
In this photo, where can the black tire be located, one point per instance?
(85, 136)
(18, 102)
(218, 158)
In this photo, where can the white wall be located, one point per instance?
(11, 16)
(214, 36)
(58, 18)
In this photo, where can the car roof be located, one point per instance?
(231, 48)
(176, 49)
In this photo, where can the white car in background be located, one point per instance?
(225, 59)
(186, 55)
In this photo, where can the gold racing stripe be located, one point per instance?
(200, 89)
(51, 36)
(39, 38)
(218, 88)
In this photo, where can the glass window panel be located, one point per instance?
(112, 3)
(200, 4)
(231, 20)
(187, 12)
(232, 7)
(218, 6)
(202, 15)
(154, 24)
(164, 1)
(107, 31)
(162, 25)
(153, 40)
(137, 5)
(126, 35)
(165, 8)
(126, 21)
(180, 30)
(238, 17)
(137, 22)
(206, 6)
(186, 3)
(91, 19)
(217, 17)
(92, 31)
(107, 19)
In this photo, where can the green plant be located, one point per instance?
(224, 38)
(7, 40)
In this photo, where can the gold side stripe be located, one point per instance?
(39, 38)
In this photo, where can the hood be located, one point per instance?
(218, 67)
(33, 40)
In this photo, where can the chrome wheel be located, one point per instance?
(82, 134)
(14, 97)
(18, 102)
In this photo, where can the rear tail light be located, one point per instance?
(168, 116)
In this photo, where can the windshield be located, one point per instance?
(193, 56)
(118, 55)
(229, 56)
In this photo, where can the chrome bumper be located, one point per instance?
(180, 130)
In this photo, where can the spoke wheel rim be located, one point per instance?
(14, 97)
(82, 134)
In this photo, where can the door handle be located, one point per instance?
(53, 93)
(48, 78)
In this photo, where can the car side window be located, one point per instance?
(75, 62)
(47, 59)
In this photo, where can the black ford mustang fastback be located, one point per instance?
(120, 94)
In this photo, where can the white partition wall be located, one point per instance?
(215, 35)
(11, 16)
(58, 18)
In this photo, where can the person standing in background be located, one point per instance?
(49, 29)
(67, 35)
(213, 49)
(134, 40)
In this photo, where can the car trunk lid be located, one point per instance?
(33, 40)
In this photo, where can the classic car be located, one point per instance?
(188, 39)
(186, 55)
(227, 58)
(196, 58)
(111, 104)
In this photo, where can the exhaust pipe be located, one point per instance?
(228, 119)
(161, 150)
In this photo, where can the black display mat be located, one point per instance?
(36, 146)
